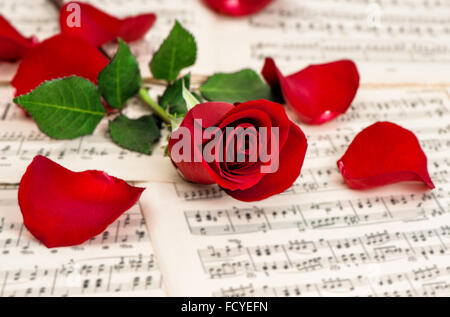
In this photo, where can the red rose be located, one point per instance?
(251, 150)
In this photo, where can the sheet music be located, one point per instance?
(391, 41)
(120, 261)
(21, 140)
(319, 238)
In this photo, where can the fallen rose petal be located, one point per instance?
(13, 46)
(98, 27)
(317, 93)
(57, 57)
(63, 208)
(384, 153)
(134, 28)
(237, 7)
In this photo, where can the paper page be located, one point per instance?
(120, 261)
(21, 140)
(40, 18)
(319, 238)
(390, 41)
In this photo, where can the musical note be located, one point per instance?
(318, 238)
(119, 259)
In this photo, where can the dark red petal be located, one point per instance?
(274, 110)
(384, 153)
(57, 57)
(13, 45)
(211, 113)
(98, 27)
(237, 7)
(64, 208)
(317, 93)
(290, 165)
(134, 28)
(243, 181)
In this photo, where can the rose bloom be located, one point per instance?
(251, 150)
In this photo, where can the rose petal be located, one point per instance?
(216, 171)
(317, 93)
(13, 45)
(64, 208)
(384, 153)
(135, 28)
(290, 165)
(98, 27)
(210, 113)
(237, 7)
(56, 57)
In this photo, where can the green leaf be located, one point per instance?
(178, 51)
(241, 86)
(175, 122)
(189, 98)
(120, 79)
(135, 134)
(172, 97)
(64, 108)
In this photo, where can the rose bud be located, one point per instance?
(251, 150)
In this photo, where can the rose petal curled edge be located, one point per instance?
(98, 27)
(381, 154)
(64, 208)
(13, 45)
(318, 93)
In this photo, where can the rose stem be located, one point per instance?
(154, 106)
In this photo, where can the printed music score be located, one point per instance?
(118, 261)
(310, 216)
(426, 281)
(316, 255)
(21, 140)
(318, 237)
(389, 40)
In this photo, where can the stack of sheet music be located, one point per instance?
(319, 238)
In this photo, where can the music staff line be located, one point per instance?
(313, 255)
(311, 180)
(125, 273)
(333, 214)
(127, 229)
(375, 287)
